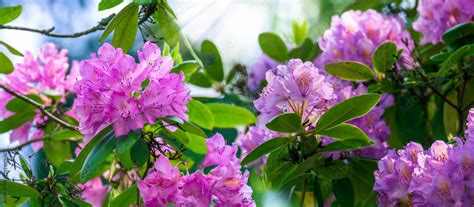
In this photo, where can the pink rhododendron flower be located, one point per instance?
(38, 75)
(470, 125)
(94, 192)
(437, 16)
(224, 185)
(355, 35)
(258, 70)
(110, 91)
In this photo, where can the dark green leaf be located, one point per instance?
(334, 170)
(346, 144)
(16, 120)
(294, 181)
(39, 165)
(286, 123)
(168, 26)
(199, 114)
(108, 4)
(64, 167)
(96, 157)
(364, 170)
(306, 52)
(187, 127)
(200, 79)
(25, 167)
(18, 105)
(122, 16)
(410, 108)
(17, 190)
(349, 70)
(265, 148)
(107, 131)
(346, 110)
(126, 30)
(229, 116)
(345, 131)
(127, 197)
(124, 145)
(212, 60)
(303, 167)
(344, 192)
(6, 65)
(458, 32)
(143, 2)
(450, 115)
(139, 153)
(57, 151)
(11, 49)
(273, 46)
(8, 14)
(451, 63)
(384, 57)
(66, 134)
(277, 167)
(188, 68)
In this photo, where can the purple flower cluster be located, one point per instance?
(110, 91)
(258, 70)
(255, 136)
(437, 16)
(443, 175)
(42, 76)
(355, 35)
(224, 185)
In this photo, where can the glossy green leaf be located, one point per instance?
(64, 167)
(18, 105)
(124, 145)
(8, 14)
(364, 170)
(168, 27)
(17, 189)
(229, 116)
(139, 153)
(459, 31)
(118, 19)
(108, 4)
(16, 120)
(451, 63)
(188, 67)
(57, 151)
(11, 49)
(96, 157)
(344, 131)
(126, 31)
(450, 116)
(306, 52)
(346, 110)
(303, 167)
(200, 79)
(196, 143)
(273, 46)
(299, 31)
(25, 167)
(286, 123)
(385, 57)
(186, 126)
(346, 144)
(199, 114)
(66, 134)
(349, 70)
(265, 148)
(6, 65)
(336, 169)
(143, 2)
(344, 192)
(212, 60)
(126, 198)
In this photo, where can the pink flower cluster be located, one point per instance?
(224, 185)
(258, 70)
(355, 35)
(110, 91)
(43, 75)
(443, 175)
(94, 192)
(437, 16)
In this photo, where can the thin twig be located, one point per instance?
(24, 144)
(41, 107)
(49, 32)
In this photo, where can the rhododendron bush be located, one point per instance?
(377, 110)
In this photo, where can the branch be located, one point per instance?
(49, 32)
(41, 107)
(24, 144)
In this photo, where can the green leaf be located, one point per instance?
(345, 131)
(212, 60)
(200, 79)
(108, 4)
(25, 167)
(333, 170)
(188, 67)
(17, 190)
(57, 151)
(124, 146)
(350, 70)
(6, 65)
(265, 148)
(8, 14)
(17, 105)
(451, 63)
(11, 49)
(273, 46)
(16, 120)
(78, 162)
(384, 57)
(66, 134)
(303, 167)
(344, 192)
(96, 157)
(346, 110)
(229, 116)
(199, 114)
(64, 167)
(299, 32)
(364, 170)
(346, 144)
(459, 31)
(168, 26)
(410, 108)
(306, 52)
(286, 123)
(187, 127)
(139, 153)
(118, 19)
(196, 144)
(143, 2)
(126, 30)
(450, 115)
(127, 197)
